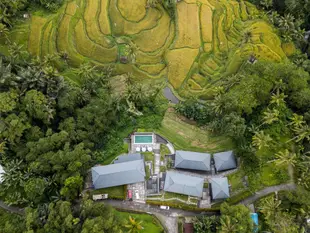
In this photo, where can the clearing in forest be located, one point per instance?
(208, 39)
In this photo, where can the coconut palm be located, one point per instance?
(226, 225)
(302, 132)
(269, 206)
(218, 104)
(287, 22)
(86, 70)
(260, 140)
(133, 226)
(266, 3)
(297, 120)
(285, 157)
(278, 98)
(271, 116)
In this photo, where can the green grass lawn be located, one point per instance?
(186, 135)
(149, 223)
(169, 195)
(114, 192)
(235, 180)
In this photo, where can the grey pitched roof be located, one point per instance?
(192, 160)
(179, 183)
(220, 188)
(224, 161)
(118, 174)
(127, 158)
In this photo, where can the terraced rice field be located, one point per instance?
(207, 40)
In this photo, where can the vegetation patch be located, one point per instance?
(180, 62)
(186, 136)
(92, 25)
(104, 21)
(132, 10)
(37, 24)
(188, 25)
(153, 69)
(206, 23)
(89, 49)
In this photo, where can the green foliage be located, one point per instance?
(206, 224)
(72, 188)
(11, 222)
(235, 219)
(117, 192)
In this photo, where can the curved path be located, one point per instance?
(266, 191)
(12, 209)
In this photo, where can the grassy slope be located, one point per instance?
(187, 136)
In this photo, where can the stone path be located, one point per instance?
(156, 151)
(267, 191)
(171, 223)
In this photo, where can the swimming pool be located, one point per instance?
(143, 139)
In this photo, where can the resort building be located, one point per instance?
(192, 160)
(224, 161)
(118, 174)
(184, 184)
(219, 188)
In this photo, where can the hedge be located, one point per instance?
(182, 206)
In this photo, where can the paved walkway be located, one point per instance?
(12, 209)
(170, 223)
(129, 205)
(267, 191)
(157, 159)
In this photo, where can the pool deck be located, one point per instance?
(140, 145)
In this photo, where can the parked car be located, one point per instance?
(129, 193)
(100, 197)
(163, 207)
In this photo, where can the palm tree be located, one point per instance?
(297, 121)
(302, 132)
(271, 116)
(266, 3)
(86, 71)
(260, 140)
(278, 98)
(285, 158)
(269, 206)
(133, 225)
(218, 104)
(226, 225)
(287, 22)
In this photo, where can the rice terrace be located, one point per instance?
(208, 40)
